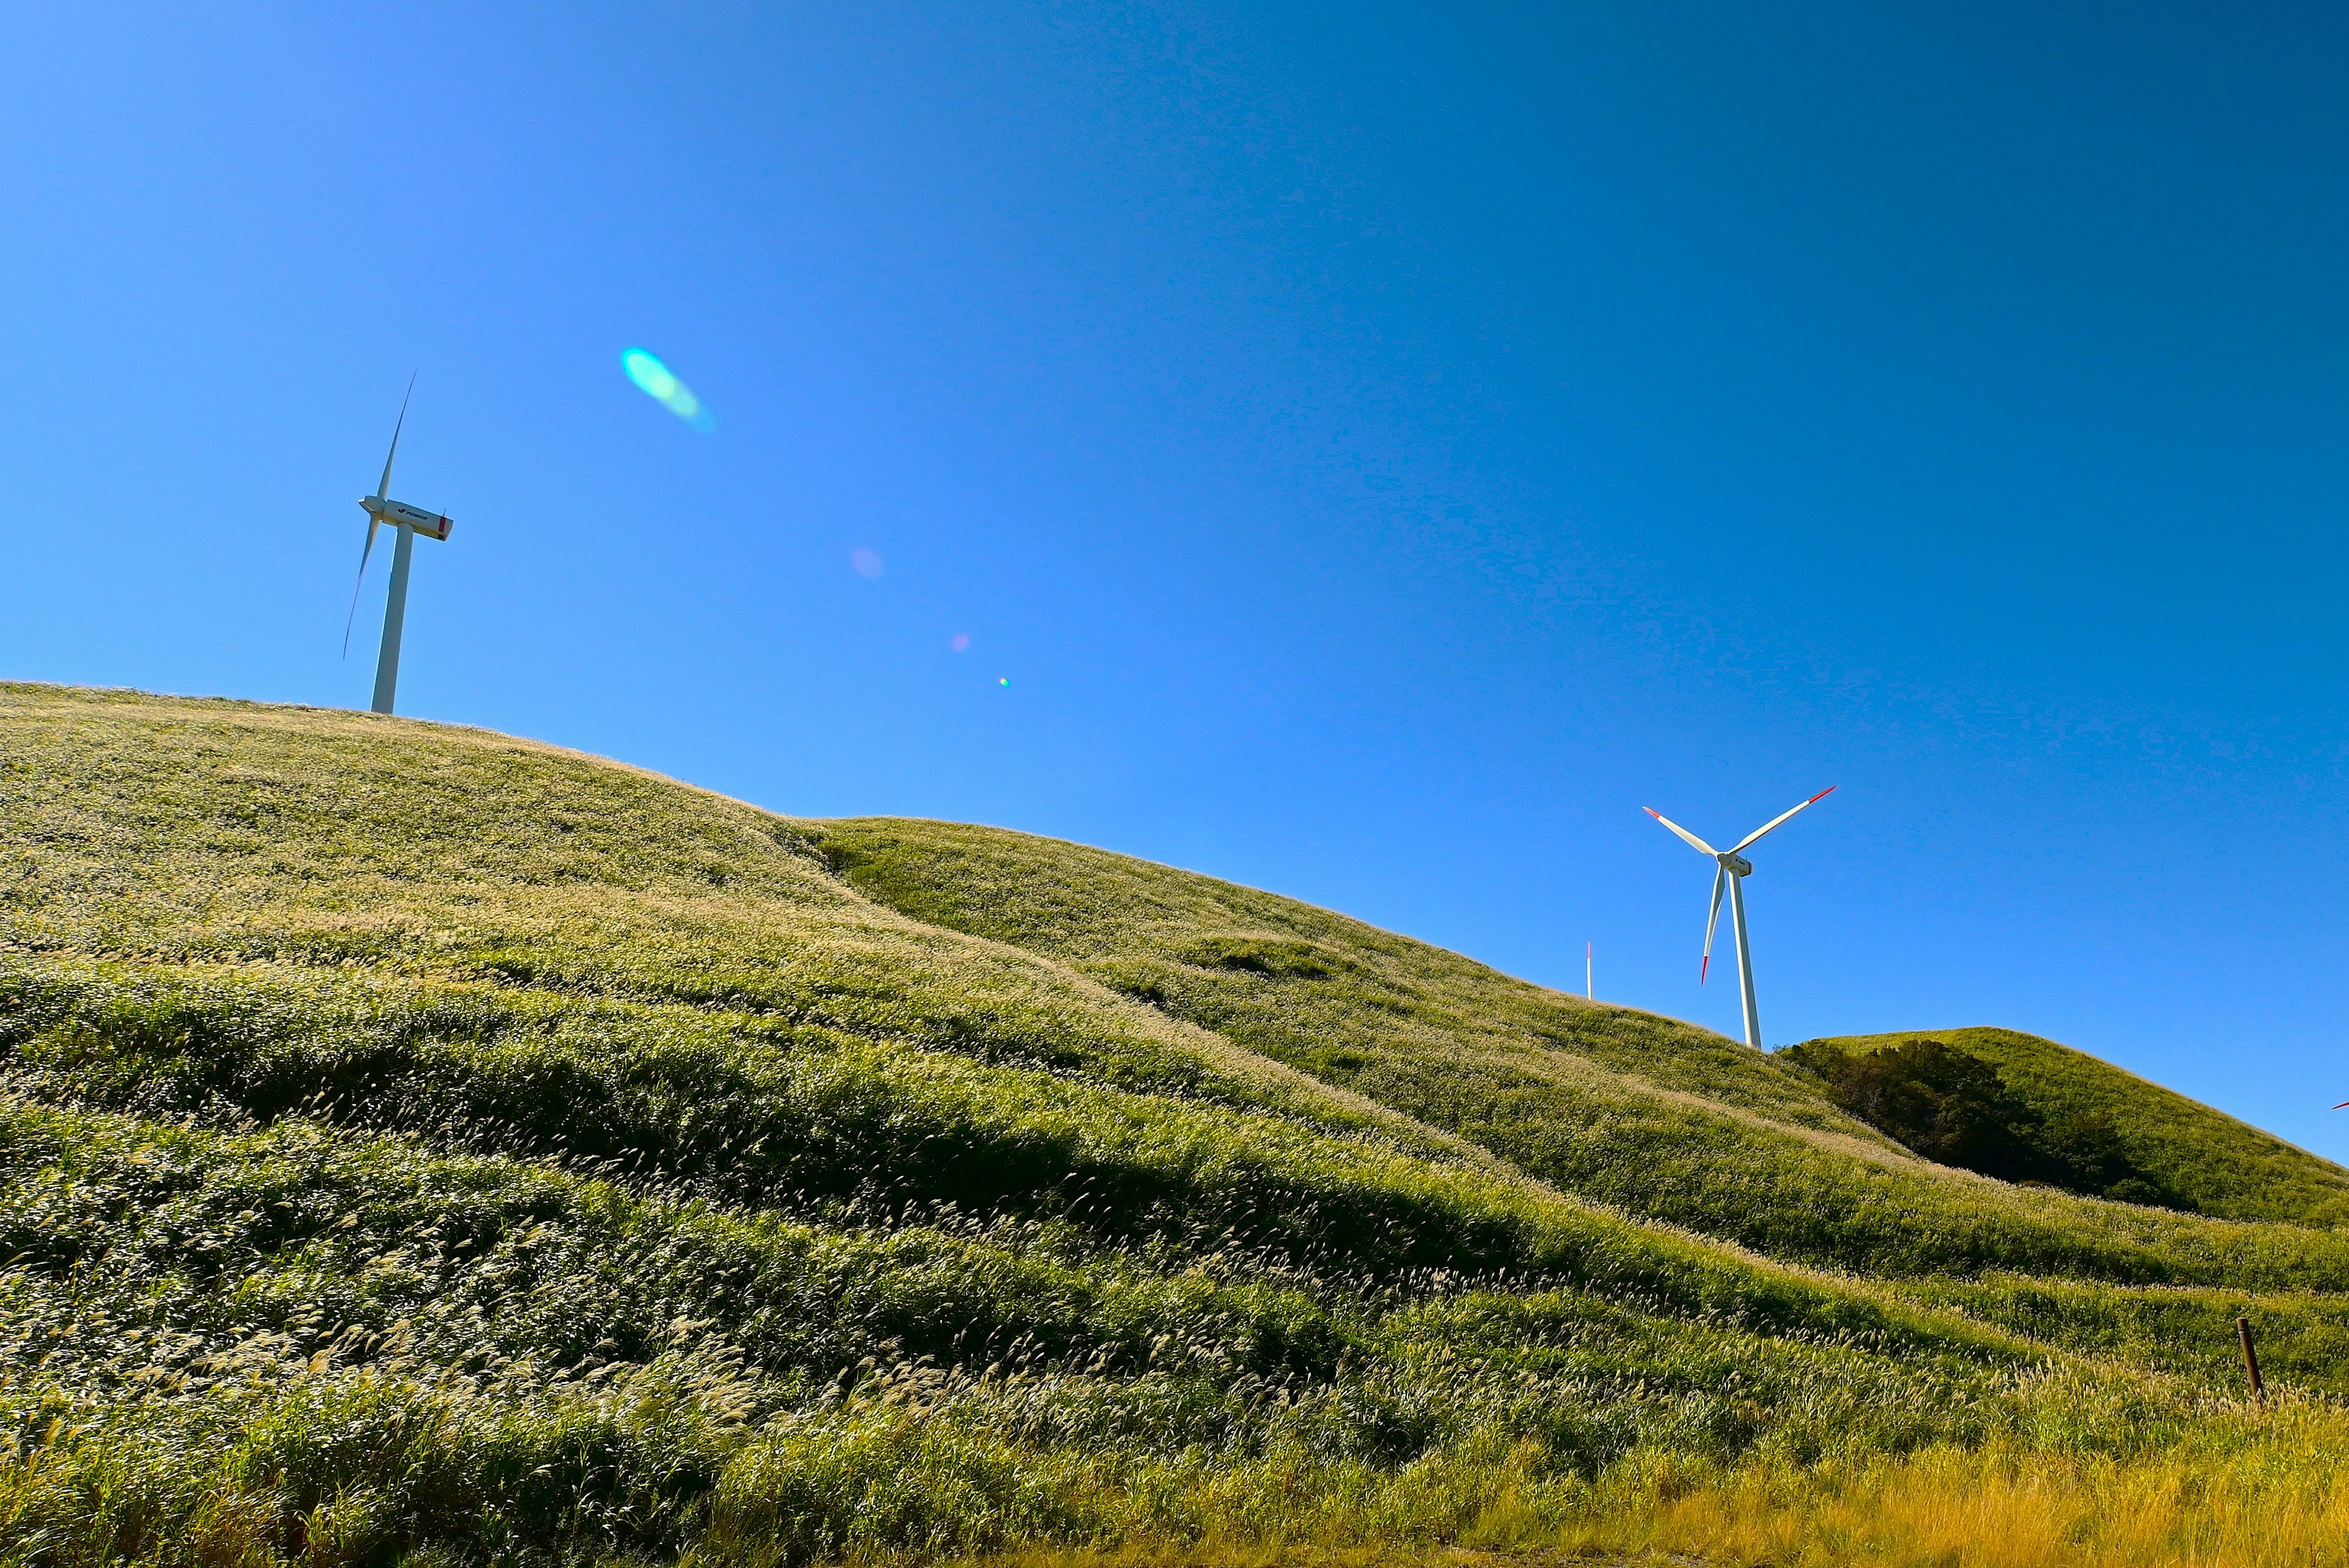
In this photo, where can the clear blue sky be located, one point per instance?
(1380, 448)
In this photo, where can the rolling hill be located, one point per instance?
(420, 1145)
(2219, 1165)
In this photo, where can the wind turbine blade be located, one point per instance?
(373, 523)
(1690, 838)
(1720, 881)
(384, 487)
(1776, 820)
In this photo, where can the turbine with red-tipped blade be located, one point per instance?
(410, 520)
(1730, 870)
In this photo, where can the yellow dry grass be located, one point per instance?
(2276, 1506)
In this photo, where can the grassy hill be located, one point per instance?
(2223, 1166)
(1645, 1114)
(418, 1145)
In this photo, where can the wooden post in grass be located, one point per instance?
(2251, 1358)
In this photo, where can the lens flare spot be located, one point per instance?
(647, 372)
(867, 563)
(660, 383)
(1005, 681)
(960, 642)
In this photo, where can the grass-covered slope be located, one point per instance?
(1652, 1115)
(2223, 1166)
(417, 1144)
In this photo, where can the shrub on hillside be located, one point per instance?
(1955, 1108)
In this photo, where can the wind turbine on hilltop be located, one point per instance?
(410, 521)
(1732, 869)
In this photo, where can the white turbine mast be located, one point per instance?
(410, 521)
(1731, 869)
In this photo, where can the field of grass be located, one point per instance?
(421, 1145)
(1650, 1116)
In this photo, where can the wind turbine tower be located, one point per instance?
(410, 520)
(1731, 869)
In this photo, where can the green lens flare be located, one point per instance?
(661, 384)
(649, 373)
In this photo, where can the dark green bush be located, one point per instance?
(1956, 1109)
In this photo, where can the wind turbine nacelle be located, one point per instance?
(431, 525)
(1738, 865)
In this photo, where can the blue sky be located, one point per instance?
(1370, 451)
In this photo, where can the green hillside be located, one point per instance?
(2222, 1165)
(418, 1145)
(1648, 1115)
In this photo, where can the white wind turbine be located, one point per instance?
(1732, 869)
(410, 521)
